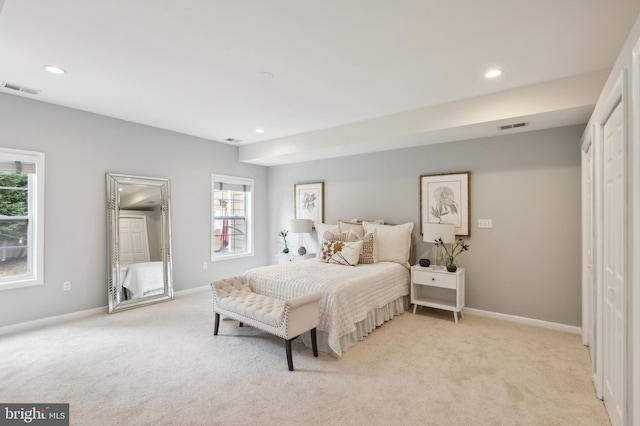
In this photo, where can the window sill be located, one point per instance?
(219, 258)
(21, 284)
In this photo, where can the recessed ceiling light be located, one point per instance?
(54, 69)
(259, 130)
(493, 73)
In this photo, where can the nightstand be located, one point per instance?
(438, 288)
(294, 257)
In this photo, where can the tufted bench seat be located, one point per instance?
(288, 319)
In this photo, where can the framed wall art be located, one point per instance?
(444, 198)
(309, 201)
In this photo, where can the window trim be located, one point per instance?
(36, 198)
(217, 257)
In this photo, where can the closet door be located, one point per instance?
(614, 273)
(124, 232)
(134, 242)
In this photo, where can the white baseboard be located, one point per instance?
(30, 325)
(44, 322)
(522, 320)
(194, 290)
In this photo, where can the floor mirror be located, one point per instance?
(139, 241)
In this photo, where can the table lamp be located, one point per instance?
(301, 227)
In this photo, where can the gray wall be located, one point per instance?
(80, 148)
(527, 265)
(529, 184)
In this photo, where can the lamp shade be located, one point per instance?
(433, 231)
(301, 226)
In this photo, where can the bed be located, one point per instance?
(142, 279)
(356, 298)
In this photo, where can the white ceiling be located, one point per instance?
(220, 69)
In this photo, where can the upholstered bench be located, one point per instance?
(288, 319)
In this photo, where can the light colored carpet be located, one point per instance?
(161, 365)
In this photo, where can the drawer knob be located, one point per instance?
(433, 279)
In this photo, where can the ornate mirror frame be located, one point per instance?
(118, 296)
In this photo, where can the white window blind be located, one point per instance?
(231, 214)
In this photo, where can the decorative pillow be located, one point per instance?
(355, 226)
(340, 236)
(369, 253)
(321, 228)
(341, 252)
(393, 242)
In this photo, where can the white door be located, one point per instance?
(134, 242)
(139, 240)
(614, 254)
(126, 252)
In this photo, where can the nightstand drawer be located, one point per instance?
(290, 257)
(435, 279)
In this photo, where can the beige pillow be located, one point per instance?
(369, 253)
(355, 226)
(393, 242)
(341, 252)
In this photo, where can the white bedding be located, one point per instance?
(143, 279)
(349, 293)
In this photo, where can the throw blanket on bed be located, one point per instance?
(348, 292)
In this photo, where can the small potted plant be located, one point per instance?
(283, 233)
(452, 252)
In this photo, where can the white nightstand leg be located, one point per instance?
(455, 316)
(461, 314)
(414, 309)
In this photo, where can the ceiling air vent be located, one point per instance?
(513, 126)
(19, 88)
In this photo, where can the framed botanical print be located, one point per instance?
(444, 198)
(309, 201)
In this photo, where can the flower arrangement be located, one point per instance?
(283, 233)
(452, 252)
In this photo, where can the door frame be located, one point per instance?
(588, 279)
(634, 241)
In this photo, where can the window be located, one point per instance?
(231, 211)
(21, 218)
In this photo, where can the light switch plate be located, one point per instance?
(485, 223)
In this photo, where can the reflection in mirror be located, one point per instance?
(139, 238)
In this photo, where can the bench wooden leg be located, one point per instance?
(289, 357)
(314, 342)
(215, 327)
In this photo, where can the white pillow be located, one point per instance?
(321, 228)
(393, 242)
(341, 252)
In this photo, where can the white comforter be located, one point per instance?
(143, 279)
(348, 292)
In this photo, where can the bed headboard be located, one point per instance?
(412, 250)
